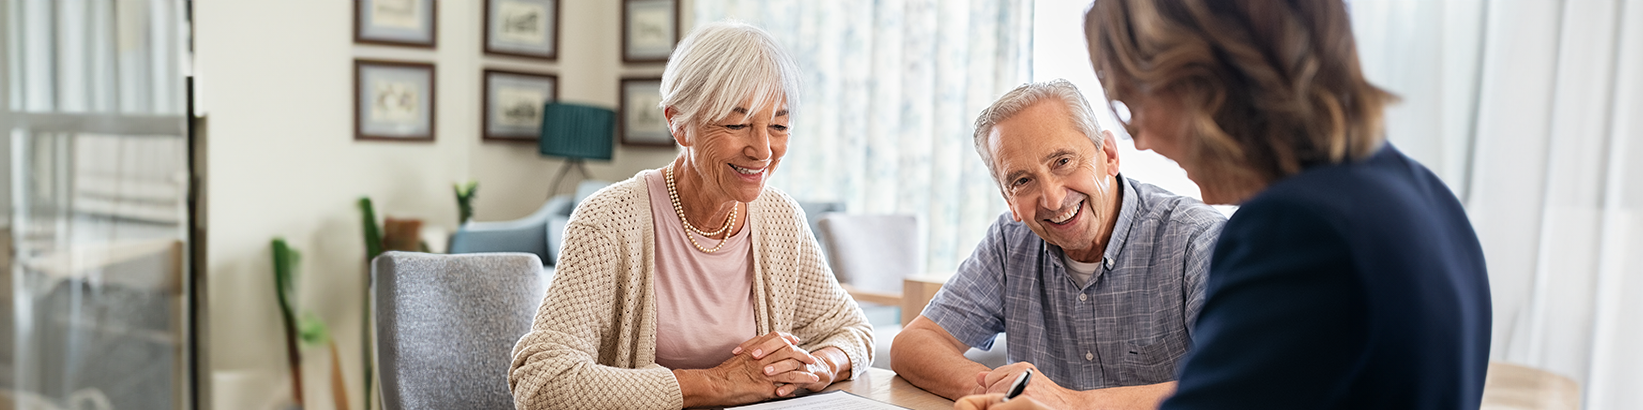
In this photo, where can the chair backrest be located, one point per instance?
(446, 326)
(872, 252)
(813, 212)
(532, 233)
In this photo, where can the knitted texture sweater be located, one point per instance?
(593, 341)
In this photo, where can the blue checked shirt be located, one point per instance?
(1130, 325)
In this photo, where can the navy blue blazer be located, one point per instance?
(1350, 286)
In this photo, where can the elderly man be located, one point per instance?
(1096, 278)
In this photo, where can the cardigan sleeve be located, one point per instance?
(556, 365)
(824, 314)
(830, 318)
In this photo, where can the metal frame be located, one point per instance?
(21, 129)
(5, 52)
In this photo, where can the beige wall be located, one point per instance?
(274, 86)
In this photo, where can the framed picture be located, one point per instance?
(522, 28)
(512, 104)
(650, 28)
(638, 120)
(393, 101)
(411, 23)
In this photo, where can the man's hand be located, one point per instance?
(996, 402)
(1052, 395)
(1040, 388)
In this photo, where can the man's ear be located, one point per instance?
(1109, 146)
(675, 129)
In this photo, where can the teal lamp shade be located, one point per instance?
(577, 131)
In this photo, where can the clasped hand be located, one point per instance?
(772, 366)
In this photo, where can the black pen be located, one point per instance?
(1020, 385)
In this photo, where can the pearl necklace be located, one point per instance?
(673, 194)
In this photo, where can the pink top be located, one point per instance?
(704, 301)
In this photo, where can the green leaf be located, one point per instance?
(373, 234)
(464, 200)
(311, 330)
(286, 260)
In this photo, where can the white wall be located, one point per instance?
(274, 85)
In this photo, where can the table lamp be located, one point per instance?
(576, 132)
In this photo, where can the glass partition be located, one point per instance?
(94, 183)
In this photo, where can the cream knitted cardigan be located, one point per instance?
(593, 342)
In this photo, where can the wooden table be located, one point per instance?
(884, 385)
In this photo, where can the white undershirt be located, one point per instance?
(1080, 271)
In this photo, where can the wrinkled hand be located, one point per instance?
(996, 401)
(739, 380)
(1040, 388)
(782, 362)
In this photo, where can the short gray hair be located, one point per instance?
(1026, 95)
(720, 65)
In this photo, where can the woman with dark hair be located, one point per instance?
(1350, 276)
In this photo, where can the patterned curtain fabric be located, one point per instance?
(891, 88)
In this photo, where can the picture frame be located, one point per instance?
(650, 30)
(522, 28)
(405, 23)
(638, 120)
(394, 100)
(512, 102)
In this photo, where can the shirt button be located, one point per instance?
(1108, 262)
(1083, 297)
(1089, 356)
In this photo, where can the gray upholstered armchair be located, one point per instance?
(446, 326)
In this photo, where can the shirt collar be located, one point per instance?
(1128, 206)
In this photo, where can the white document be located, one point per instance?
(834, 400)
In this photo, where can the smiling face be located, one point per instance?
(1056, 180)
(731, 159)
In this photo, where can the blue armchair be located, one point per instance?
(541, 232)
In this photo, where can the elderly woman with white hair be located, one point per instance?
(696, 284)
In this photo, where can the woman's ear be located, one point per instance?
(676, 129)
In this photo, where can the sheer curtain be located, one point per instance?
(1060, 51)
(1529, 110)
(891, 89)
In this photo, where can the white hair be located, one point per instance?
(720, 66)
(1026, 95)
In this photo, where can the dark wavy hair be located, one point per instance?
(1268, 87)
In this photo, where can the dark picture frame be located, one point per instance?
(394, 100)
(522, 28)
(638, 120)
(404, 23)
(511, 103)
(650, 30)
